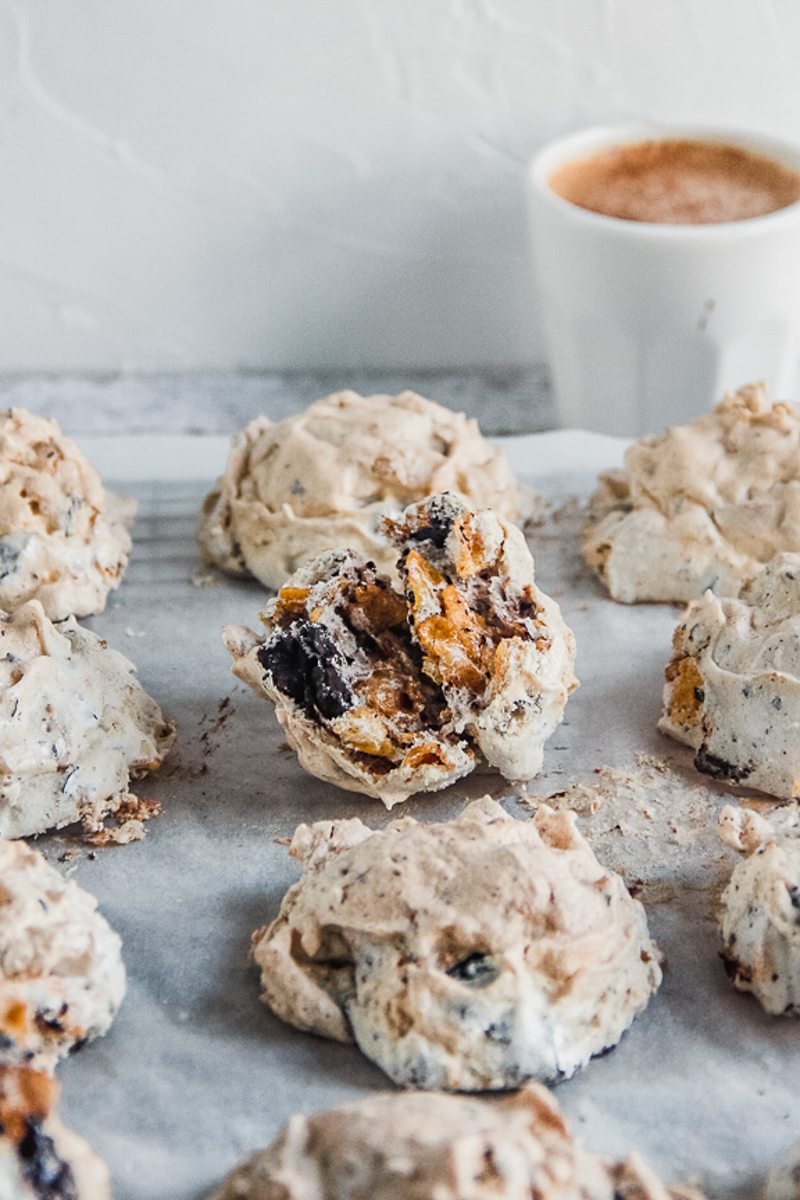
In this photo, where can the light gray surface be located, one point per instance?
(505, 401)
(195, 1072)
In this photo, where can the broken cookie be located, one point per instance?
(64, 540)
(469, 955)
(760, 906)
(39, 1158)
(326, 477)
(437, 1147)
(391, 694)
(700, 506)
(75, 725)
(61, 973)
(733, 683)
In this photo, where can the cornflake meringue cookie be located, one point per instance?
(61, 973)
(732, 687)
(390, 695)
(470, 955)
(699, 506)
(326, 477)
(75, 725)
(64, 540)
(783, 1181)
(761, 906)
(437, 1147)
(39, 1158)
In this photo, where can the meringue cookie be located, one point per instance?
(469, 955)
(324, 478)
(437, 1147)
(64, 540)
(761, 906)
(390, 695)
(340, 667)
(39, 1158)
(61, 973)
(699, 506)
(733, 683)
(75, 725)
(783, 1181)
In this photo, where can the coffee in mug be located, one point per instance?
(677, 181)
(649, 319)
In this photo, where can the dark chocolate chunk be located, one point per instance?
(440, 521)
(305, 664)
(717, 768)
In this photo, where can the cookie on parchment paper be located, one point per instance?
(62, 978)
(64, 540)
(468, 955)
(390, 694)
(702, 505)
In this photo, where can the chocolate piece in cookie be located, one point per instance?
(61, 973)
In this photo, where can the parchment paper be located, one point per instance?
(196, 1072)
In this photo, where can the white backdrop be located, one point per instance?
(294, 183)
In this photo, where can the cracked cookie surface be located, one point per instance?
(468, 955)
(75, 725)
(64, 539)
(390, 694)
(325, 478)
(699, 506)
(61, 973)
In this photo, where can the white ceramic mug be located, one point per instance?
(648, 325)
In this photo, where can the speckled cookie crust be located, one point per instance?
(325, 478)
(75, 725)
(64, 540)
(39, 1158)
(468, 955)
(700, 506)
(61, 973)
(760, 918)
(437, 1147)
(390, 694)
(732, 687)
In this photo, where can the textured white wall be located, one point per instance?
(280, 183)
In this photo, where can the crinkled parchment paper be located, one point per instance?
(195, 1072)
